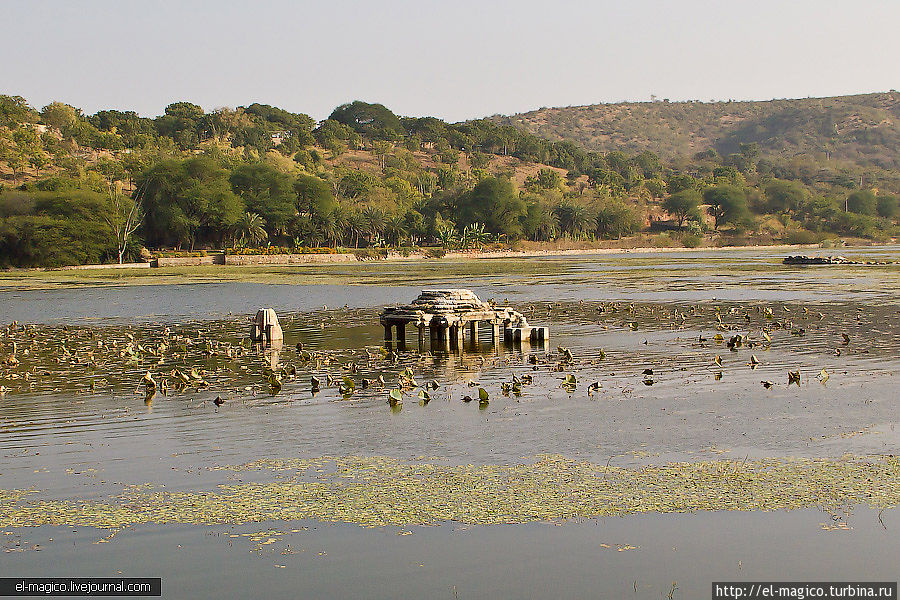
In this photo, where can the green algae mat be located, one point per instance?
(380, 491)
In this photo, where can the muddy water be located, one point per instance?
(78, 428)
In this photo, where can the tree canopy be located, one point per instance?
(727, 204)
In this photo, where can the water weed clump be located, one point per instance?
(381, 491)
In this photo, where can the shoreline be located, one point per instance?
(277, 260)
(336, 267)
(634, 250)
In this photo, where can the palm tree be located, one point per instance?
(547, 225)
(251, 229)
(395, 228)
(355, 226)
(333, 227)
(375, 220)
(574, 219)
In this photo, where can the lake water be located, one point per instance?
(75, 428)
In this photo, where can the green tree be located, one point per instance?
(125, 216)
(59, 116)
(683, 205)
(315, 198)
(649, 164)
(681, 181)
(357, 184)
(189, 202)
(218, 209)
(268, 193)
(862, 202)
(395, 228)
(14, 110)
(726, 204)
(251, 229)
(540, 223)
(381, 149)
(49, 229)
(547, 179)
(615, 219)
(183, 122)
(656, 186)
(785, 196)
(728, 174)
(886, 206)
(28, 150)
(495, 203)
(574, 218)
(372, 120)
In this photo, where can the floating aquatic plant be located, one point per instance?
(378, 491)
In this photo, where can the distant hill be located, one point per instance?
(863, 129)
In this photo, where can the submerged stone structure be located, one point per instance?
(449, 313)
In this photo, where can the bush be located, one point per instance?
(180, 253)
(802, 236)
(370, 253)
(856, 224)
(47, 241)
(862, 202)
(274, 250)
(886, 206)
(616, 219)
(691, 240)
(663, 240)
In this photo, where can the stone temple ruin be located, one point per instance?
(448, 314)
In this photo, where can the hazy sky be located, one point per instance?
(454, 59)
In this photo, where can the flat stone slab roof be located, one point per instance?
(448, 306)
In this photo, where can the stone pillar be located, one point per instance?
(401, 336)
(473, 332)
(387, 333)
(421, 338)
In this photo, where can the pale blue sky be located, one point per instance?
(456, 59)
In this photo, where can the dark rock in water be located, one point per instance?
(830, 260)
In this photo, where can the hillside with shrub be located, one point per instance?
(115, 187)
(863, 130)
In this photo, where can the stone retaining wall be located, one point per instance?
(286, 259)
(212, 259)
(145, 265)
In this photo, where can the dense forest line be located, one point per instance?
(106, 187)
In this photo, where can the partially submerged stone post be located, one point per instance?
(265, 327)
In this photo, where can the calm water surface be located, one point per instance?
(70, 441)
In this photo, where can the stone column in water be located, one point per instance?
(401, 336)
(265, 327)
